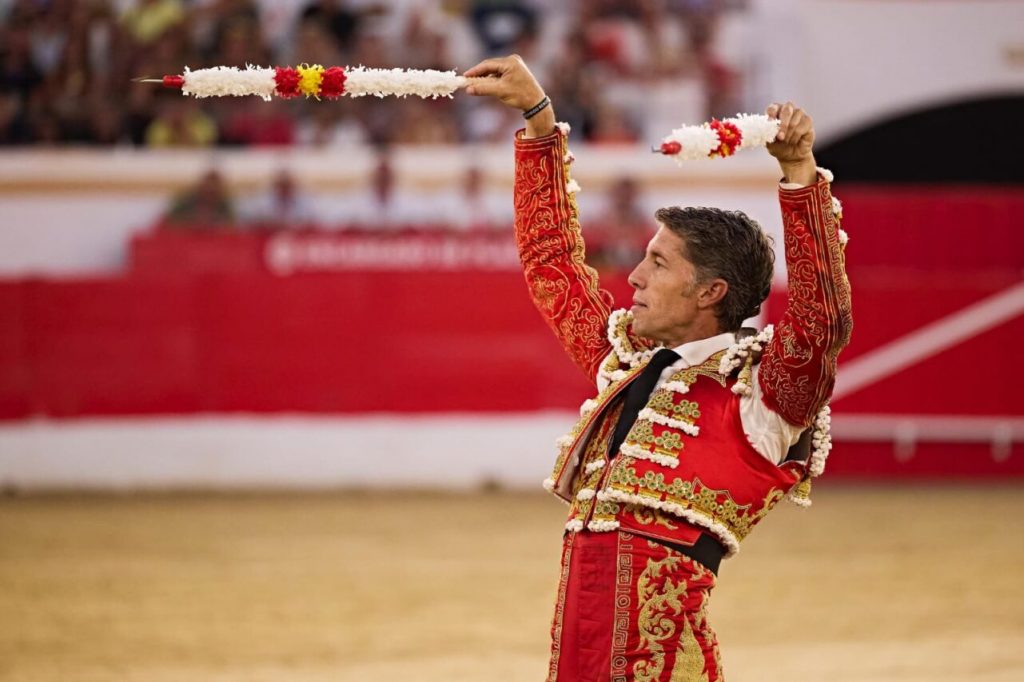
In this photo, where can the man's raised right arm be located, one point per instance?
(562, 286)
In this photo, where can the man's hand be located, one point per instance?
(793, 145)
(510, 81)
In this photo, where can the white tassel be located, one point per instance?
(229, 80)
(698, 142)
(585, 494)
(602, 526)
(659, 418)
(637, 452)
(361, 81)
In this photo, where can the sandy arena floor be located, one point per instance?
(881, 584)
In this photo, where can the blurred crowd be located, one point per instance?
(66, 67)
(378, 205)
(616, 230)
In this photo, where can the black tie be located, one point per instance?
(637, 395)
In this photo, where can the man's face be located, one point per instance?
(665, 296)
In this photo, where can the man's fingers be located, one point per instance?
(806, 127)
(488, 67)
(801, 128)
(785, 114)
(796, 132)
(793, 125)
(484, 86)
(772, 111)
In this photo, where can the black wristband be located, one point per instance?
(539, 107)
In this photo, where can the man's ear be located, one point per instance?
(711, 293)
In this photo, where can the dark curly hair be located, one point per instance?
(730, 246)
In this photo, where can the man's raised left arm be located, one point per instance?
(798, 369)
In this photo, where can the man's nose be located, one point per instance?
(634, 278)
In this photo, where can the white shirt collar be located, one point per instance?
(696, 352)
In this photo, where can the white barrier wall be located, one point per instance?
(440, 451)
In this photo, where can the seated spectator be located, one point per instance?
(384, 207)
(180, 122)
(331, 125)
(18, 71)
(426, 122)
(612, 126)
(283, 206)
(618, 238)
(146, 20)
(104, 125)
(206, 205)
(340, 22)
(473, 208)
(14, 125)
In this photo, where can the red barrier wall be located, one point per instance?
(345, 342)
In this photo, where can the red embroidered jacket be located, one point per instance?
(719, 484)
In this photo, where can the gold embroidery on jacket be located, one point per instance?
(654, 620)
(798, 370)
(715, 504)
(579, 427)
(690, 665)
(708, 368)
(646, 516)
(594, 452)
(606, 510)
(663, 401)
(564, 288)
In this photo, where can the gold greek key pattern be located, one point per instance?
(559, 616)
(623, 606)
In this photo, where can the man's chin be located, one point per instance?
(639, 328)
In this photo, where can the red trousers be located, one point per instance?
(631, 609)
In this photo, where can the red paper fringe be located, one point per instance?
(729, 135)
(287, 80)
(332, 86)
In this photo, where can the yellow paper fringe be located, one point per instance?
(310, 78)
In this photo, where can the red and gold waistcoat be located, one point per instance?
(686, 465)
